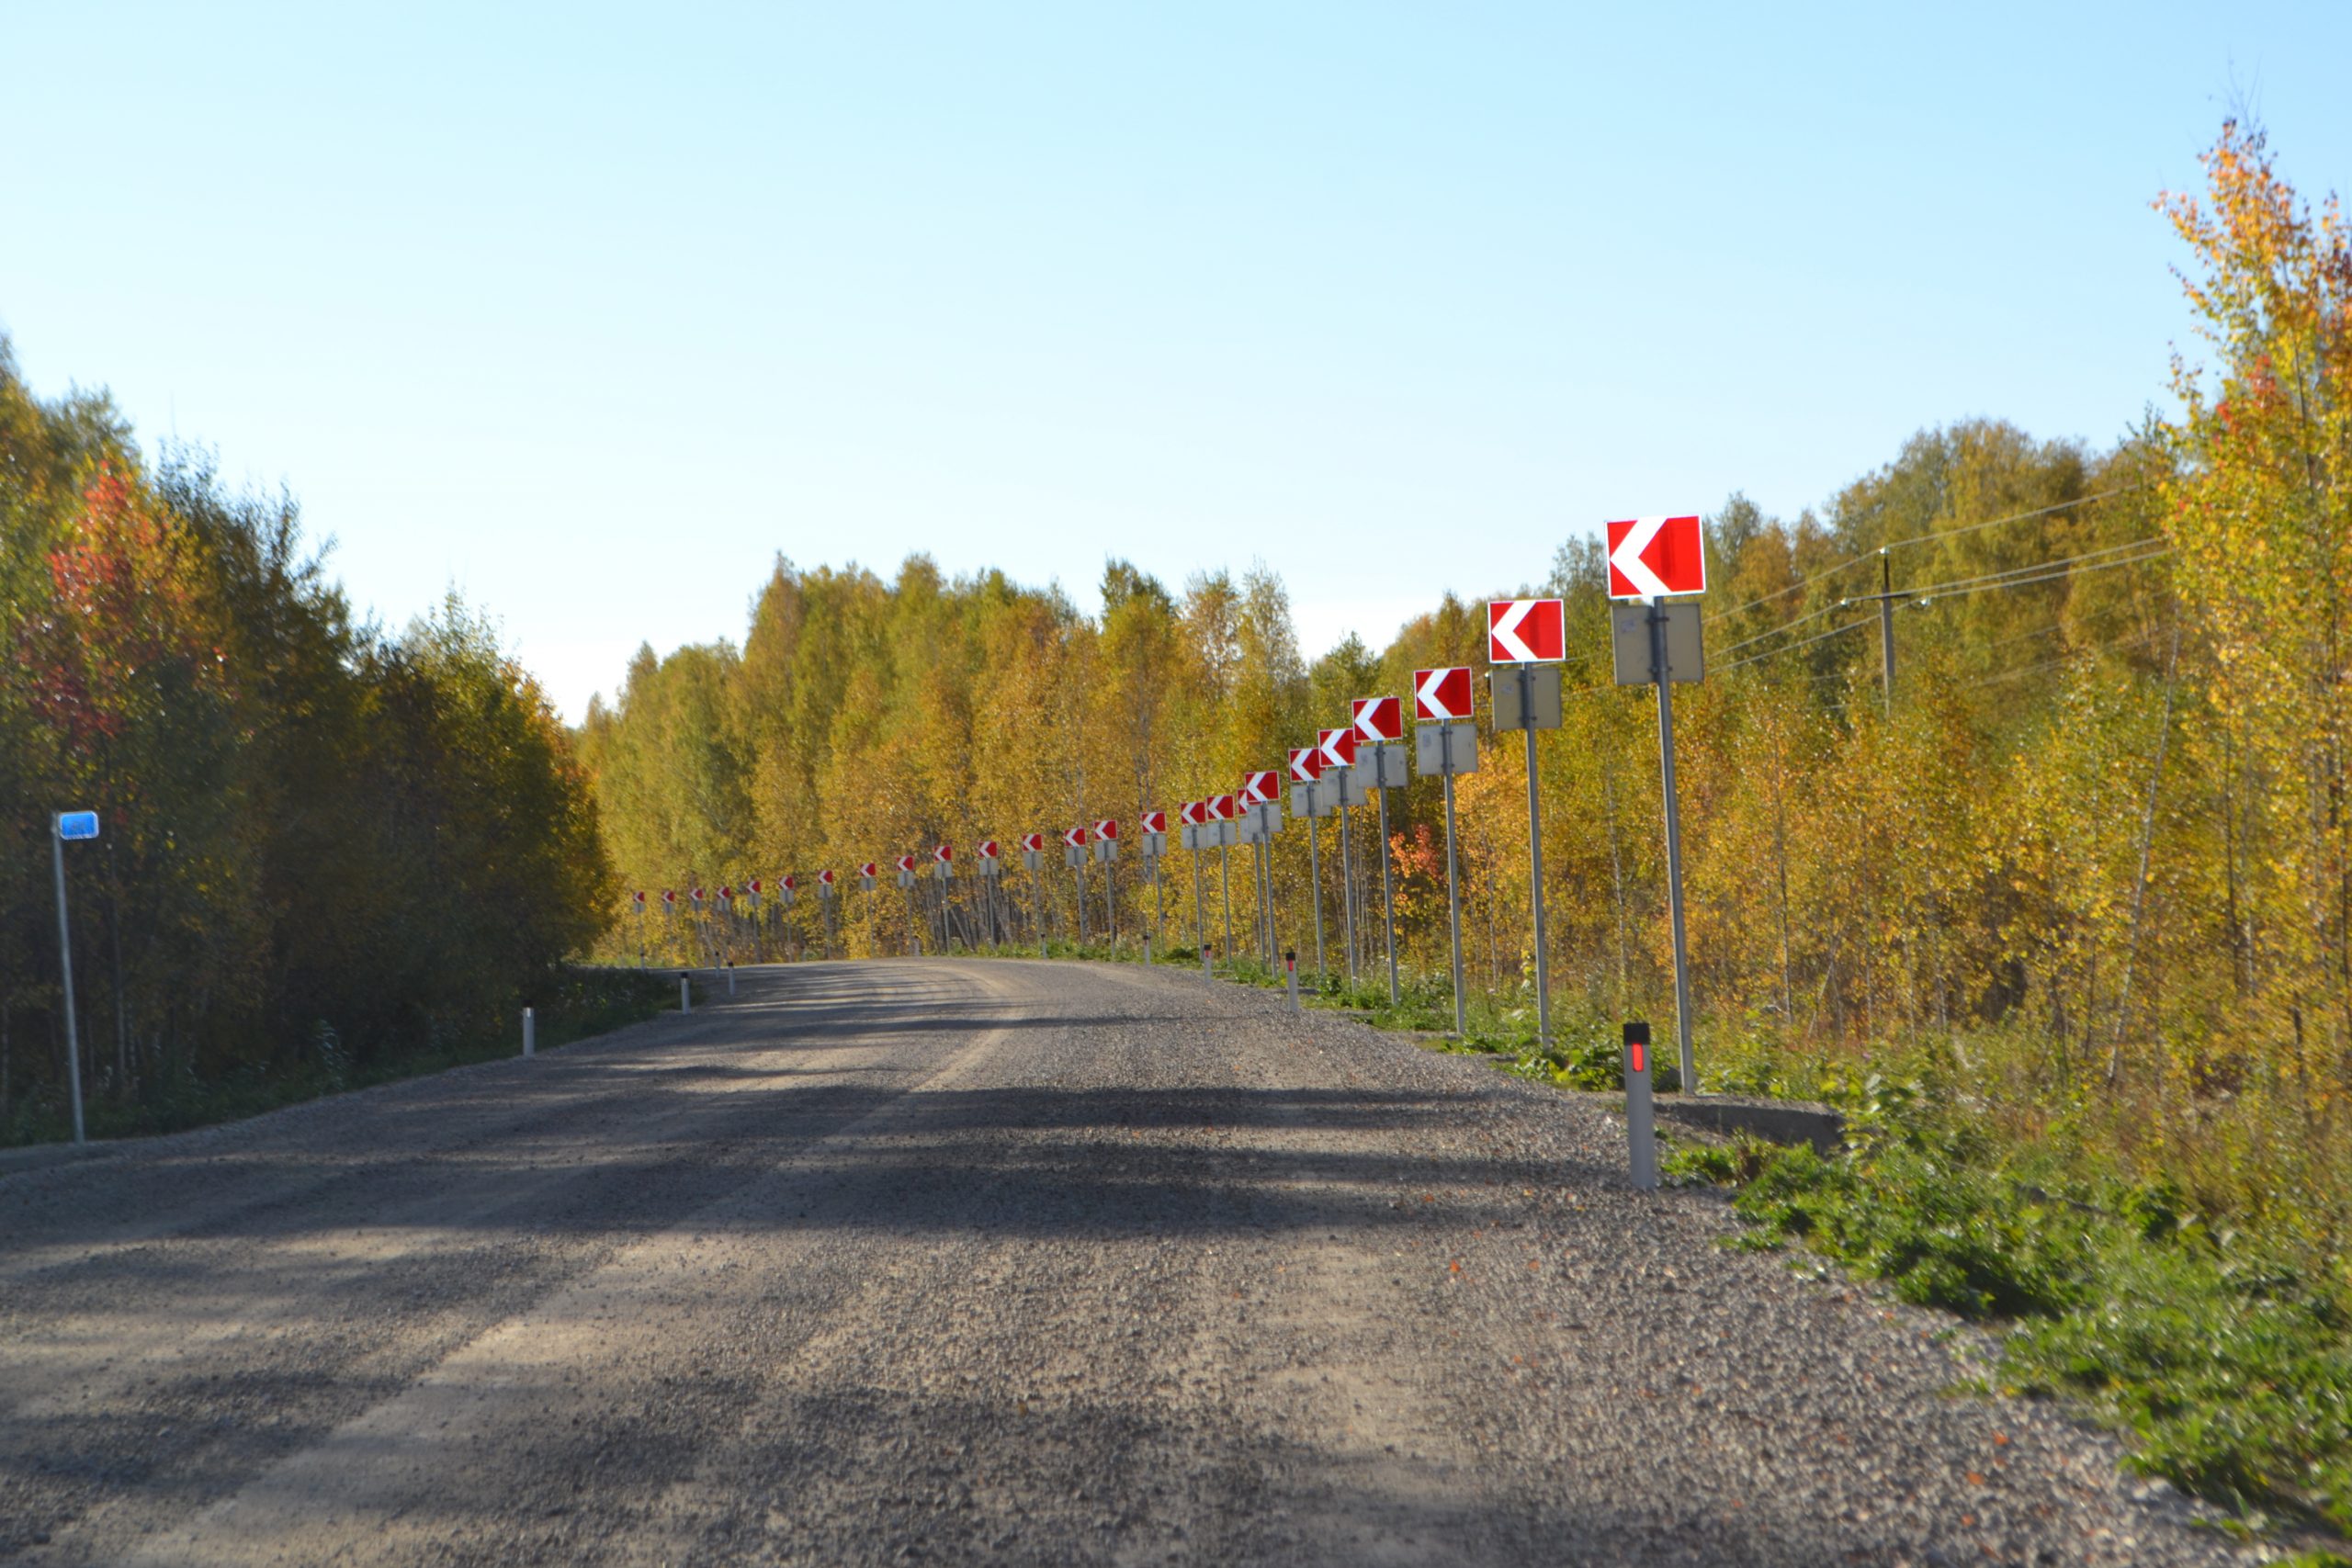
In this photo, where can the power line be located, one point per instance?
(1923, 539)
(2044, 571)
(2015, 577)
(1790, 647)
(2049, 571)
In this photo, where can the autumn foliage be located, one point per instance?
(320, 844)
(2094, 850)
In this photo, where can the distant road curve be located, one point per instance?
(948, 1262)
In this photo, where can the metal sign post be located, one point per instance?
(1315, 875)
(1264, 821)
(1036, 862)
(1448, 748)
(1347, 882)
(1381, 720)
(1338, 750)
(1659, 673)
(1657, 643)
(1225, 808)
(1189, 836)
(1527, 698)
(1446, 743)
(71, 826)
(1388, 773)
(1106, 850)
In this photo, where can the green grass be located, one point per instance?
(2227, 1358)
(2225, 1354)
(584, 1002)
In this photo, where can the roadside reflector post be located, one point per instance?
(1289, 969)
(1641, 1115)
(730, 976)
(1208, 961)
(528, 1033)
(685, 993)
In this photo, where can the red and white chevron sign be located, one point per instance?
(826, 877)
(1224, 808)
(1075, 838)
(1190, 814)
(1305, 765)
(638, 899)
(1258, 788)
(1032, 843)
(1441, 694)
(669, 897)
(1526, 631)
(906, 863)
(1154, 821)
(790, 882)
(943, 854)
(1378, 718)
(1338, 746)
(988, 849)
(1107, 829)
(1652, 557)
(727, 895)
(755, 886)
(869, 870)
(695, 894)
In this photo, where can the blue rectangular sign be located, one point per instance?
(72, 825)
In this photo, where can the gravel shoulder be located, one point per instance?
(987, 1261)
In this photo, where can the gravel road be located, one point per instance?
(979, 1262)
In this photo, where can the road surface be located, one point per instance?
(965, 1261)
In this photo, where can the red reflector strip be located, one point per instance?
(1640, 1052)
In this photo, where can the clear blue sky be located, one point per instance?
(591, 311)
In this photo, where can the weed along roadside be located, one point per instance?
(2223, 1354)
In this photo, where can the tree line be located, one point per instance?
(324, 843)
(2094, 841)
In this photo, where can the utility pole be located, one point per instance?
(1886, 626)
(1884, 599)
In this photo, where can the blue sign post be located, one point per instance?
(70, 824)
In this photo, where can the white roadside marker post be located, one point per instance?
(685, 993)
(529, 1034)
(69, 825)
(1290, 970)
(1641, 1112)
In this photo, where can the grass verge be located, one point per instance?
(2221, 1347)
(2226, 1356)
